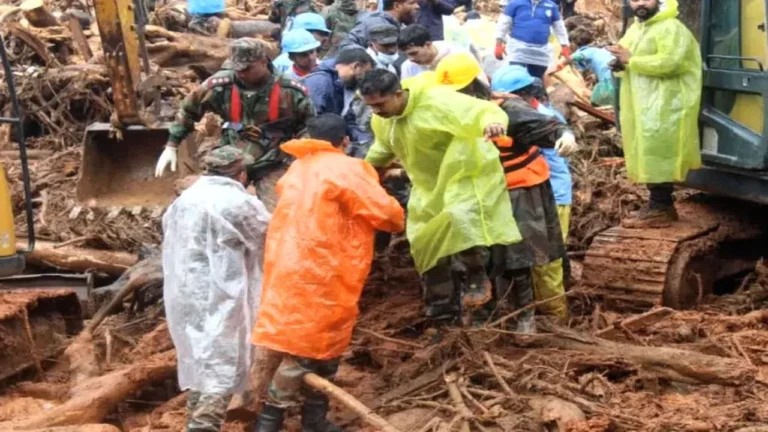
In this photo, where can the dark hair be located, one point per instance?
(327, 127)
(381, 82)
(414, 35)
(535, 90)
(354, 55)
(581, 36)
(390, 4)
(477, 89)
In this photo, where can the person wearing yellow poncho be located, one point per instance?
(660, 98)
(458, 205)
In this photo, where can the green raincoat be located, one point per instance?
(660, 98)
(459, 196)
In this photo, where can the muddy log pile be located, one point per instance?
(662, 370)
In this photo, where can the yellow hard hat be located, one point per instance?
(457, 70)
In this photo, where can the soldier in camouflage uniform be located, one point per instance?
(340, 17)
(261, 110)
(283, 10)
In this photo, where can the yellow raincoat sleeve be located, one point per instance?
(670, 57)
(380, 154)
(368, 200)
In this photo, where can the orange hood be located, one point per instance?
(307, 146)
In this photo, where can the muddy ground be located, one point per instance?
(600, 370)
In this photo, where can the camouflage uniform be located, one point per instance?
(254, 133)
(284, 9)
(340, 18)
(227, 161)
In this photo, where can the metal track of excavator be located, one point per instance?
(674, 266)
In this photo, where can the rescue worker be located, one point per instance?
(205, 16)
(212, 254)
(315, 24)
(458, 204)
(260, 110)
(660, 98)
(593, 59)
(383, 46)
(431, 14)
(549, 280)
(423, 54)
(284, 11)
(299, 56)
(395, 12)
(332, 87)
(527, 179)
(318, 255)
(526, 24)
(340, 17)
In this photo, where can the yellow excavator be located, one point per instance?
(119, 157)
(721, 233)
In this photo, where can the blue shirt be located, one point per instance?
(595, 59)
(282, 63)
(559, 173)
(532, 19)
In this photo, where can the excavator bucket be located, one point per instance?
(121, 172)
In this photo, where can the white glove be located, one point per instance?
(169, 156)
(566, 145)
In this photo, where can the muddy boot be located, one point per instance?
(651, 216)
(523, 292)
(270, 419)
(313, 415)
(440, 293)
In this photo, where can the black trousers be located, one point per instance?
(661, 195)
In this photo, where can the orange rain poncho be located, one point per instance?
(319, 250)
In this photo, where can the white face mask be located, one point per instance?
(386, 59)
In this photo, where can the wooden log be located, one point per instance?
(31, 154)
(77, 259)
(37, 15)
(81, 428)
(81, 42)
(636, 322)
(683, 365)
(349, 401)
(93, 400)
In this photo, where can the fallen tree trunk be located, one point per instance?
(94, 399)
(82, 428)
(77, 259)
(672, 363)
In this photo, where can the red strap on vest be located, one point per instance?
(274, 102)
(236, 104)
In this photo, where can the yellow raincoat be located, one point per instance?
(660, 98)
(458, 197)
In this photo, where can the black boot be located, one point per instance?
(313, 415)
(523, 292)
(270, 419)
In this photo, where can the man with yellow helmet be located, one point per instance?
(527, 179)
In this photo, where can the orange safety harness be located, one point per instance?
(528, 169)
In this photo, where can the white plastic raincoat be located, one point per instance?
(660, 98)
(212, 264)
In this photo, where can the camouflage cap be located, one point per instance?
(243, 52)
(384, 34)
(226, 161)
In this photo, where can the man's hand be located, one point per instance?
(622, 54)
(566, 145)
(494, 130)
(169, 157)
(565, 51)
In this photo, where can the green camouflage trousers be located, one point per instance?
(288, 382)
(206, 411)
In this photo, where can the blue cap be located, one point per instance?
(510, 79)
(310, 21)
(298, 41)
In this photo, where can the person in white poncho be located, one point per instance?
(213, 242)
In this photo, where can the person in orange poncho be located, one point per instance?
(318, 253)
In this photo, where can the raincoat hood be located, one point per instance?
(458, 196)
(303, 147)
(660, 97)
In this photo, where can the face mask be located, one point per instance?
(386, 59)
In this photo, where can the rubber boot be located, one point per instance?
(523, 292)
(313, 415)
(270, 419)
